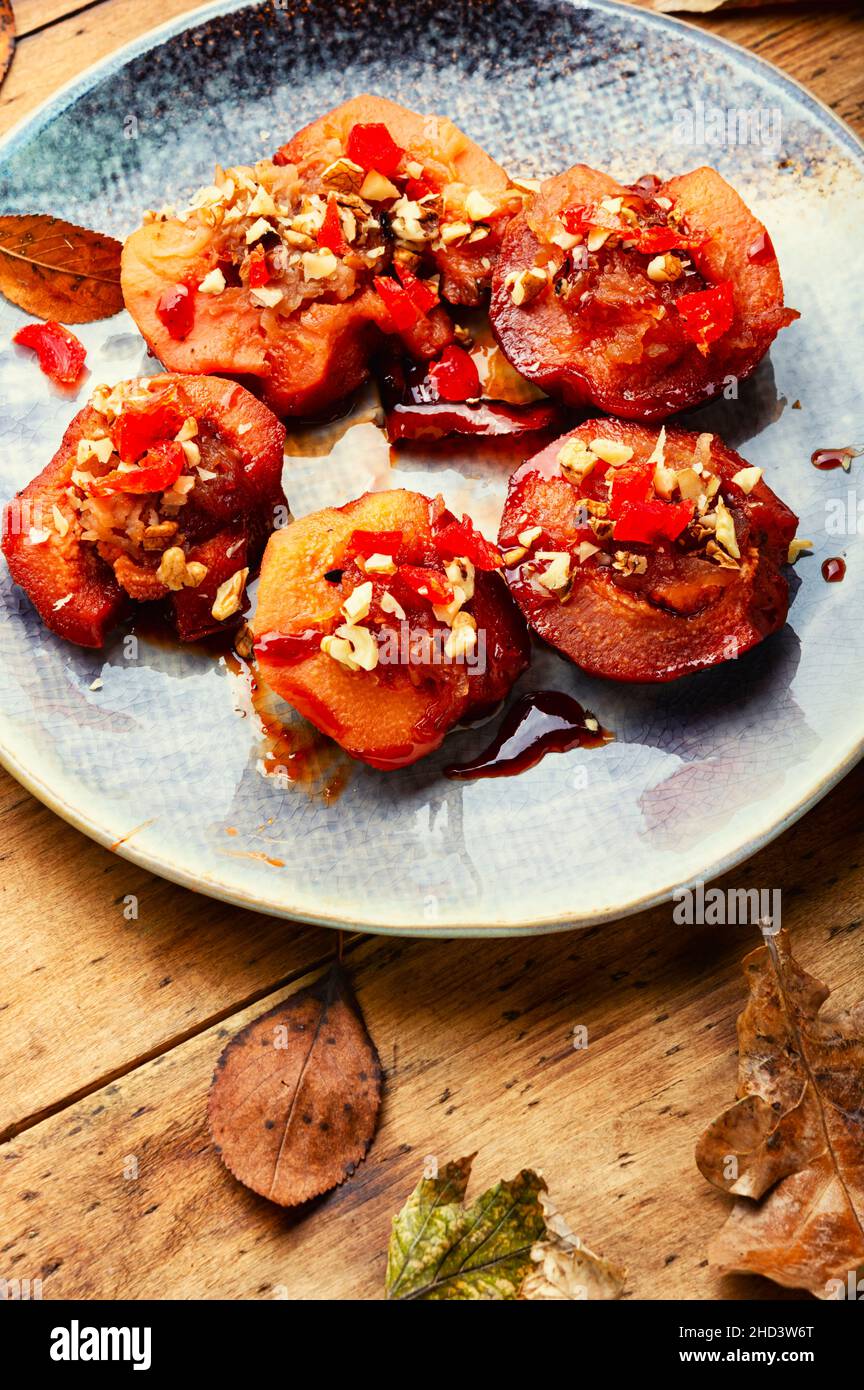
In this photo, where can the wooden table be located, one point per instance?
(109, 1029)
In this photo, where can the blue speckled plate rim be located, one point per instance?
(190, 19)
(36, 120)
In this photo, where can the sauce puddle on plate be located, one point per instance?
(291, 754)
(546, 721)
(834, 569)
(828, 459)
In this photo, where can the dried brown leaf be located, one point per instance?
(296, 1094)
(795, 1138)
(7, 37)
(565, 1269)
(55, 270)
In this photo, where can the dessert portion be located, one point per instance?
(447, 203)
(645, 556)
(641, 300)
(293, 271)
(163, 491)
(385, 623)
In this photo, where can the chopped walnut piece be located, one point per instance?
(213, 282)
(597, 238)
(377, 189)
(446, 612)
(175, 573)
(157, 536)
(478, 207)
(720, 556)
(512, 557)
(798, 547)
(191, 452)
(344, 175)
(665, 481)
(267, 296)
(663, 269)
(602, 527)
(567, 240)
(628, 563)
(724, 530)
(525, 285)
(747, 478)
(452, 232)
(556, 576)
(462, 638)
(262, 205)
(389, 604)
(244, 642)
(318, 265)
(358, 603)
(611, 451)
(461, 573)
(658, 453)
(102, 449)
(353, 647)
(702, 454)
(594, 507)
(576, 459)
(257, 230)
(690, 485)
(379, 564)
(188, 430)
(229, 596)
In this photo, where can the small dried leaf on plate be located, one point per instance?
(7, 37)
(565, 1269)
(441, 1249)
(56, 270)
(792, 1147)
(296, 1094)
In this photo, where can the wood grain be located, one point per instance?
(87, 991)
(109, 1028)
(476, 1039)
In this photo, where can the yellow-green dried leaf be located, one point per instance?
(441, 1249)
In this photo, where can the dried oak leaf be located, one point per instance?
(296, 1094)
(565, 1269)
(441, 1249)
(55, 270)
(796, 1133)
(7, 37)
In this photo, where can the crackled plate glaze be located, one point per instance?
(166, 759)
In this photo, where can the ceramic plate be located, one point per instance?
(167, 760)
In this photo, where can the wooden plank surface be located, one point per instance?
(119, 987)
(110, 1027)
(122, 1194)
